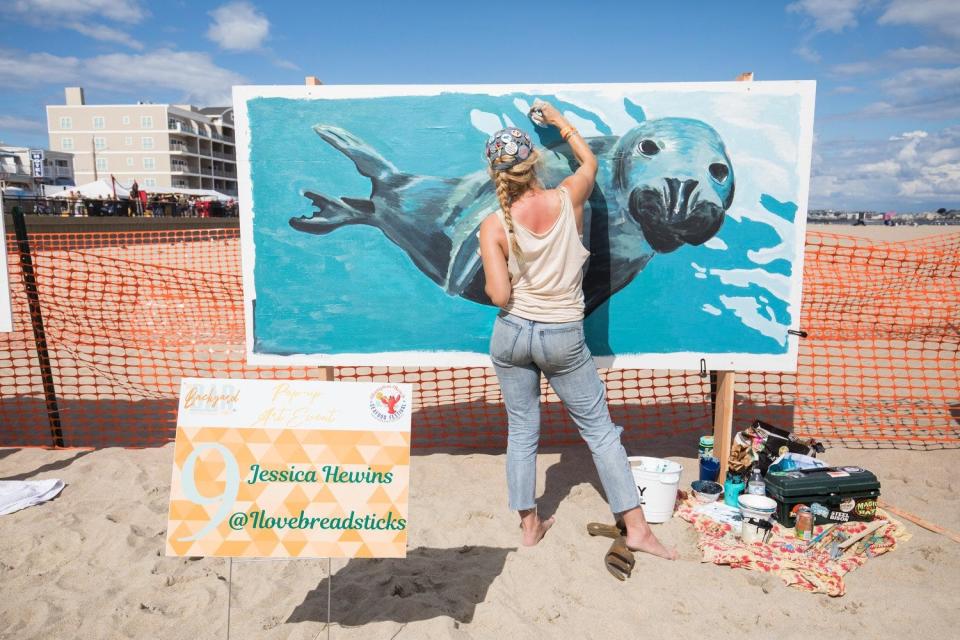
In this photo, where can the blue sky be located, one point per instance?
(888, 103)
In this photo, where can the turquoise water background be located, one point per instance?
(354, 291)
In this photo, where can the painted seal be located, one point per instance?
(665, 183)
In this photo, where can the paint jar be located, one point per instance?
(732, 489)
(709, 468)
(706, 447)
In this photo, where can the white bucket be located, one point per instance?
(657, 481)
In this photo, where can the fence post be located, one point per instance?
(39, 335)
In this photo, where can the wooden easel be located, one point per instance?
(724, 398)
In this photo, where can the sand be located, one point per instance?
(90, 563)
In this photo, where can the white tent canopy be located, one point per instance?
(95, 189)
(103, 189)
(200, 193)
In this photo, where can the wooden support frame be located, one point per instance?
(723, 420)
(724, 397)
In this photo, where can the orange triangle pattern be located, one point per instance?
(265, 505)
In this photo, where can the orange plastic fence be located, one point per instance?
(128, 314)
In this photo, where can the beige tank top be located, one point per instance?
(548, 284)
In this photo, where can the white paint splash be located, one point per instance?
(586, 127)
(775, 283)
(747, 310)
(485, 122)
(712, 310)
(716, 243)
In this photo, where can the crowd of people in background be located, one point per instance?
(139, 204)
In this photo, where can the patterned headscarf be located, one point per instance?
(508, 142)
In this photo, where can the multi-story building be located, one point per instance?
(17, 170)
(158, 145)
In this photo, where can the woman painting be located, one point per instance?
(533, 259)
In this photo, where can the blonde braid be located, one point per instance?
(503, 195)
(510, 185)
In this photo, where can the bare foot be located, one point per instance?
(648, 543)
(534, 534)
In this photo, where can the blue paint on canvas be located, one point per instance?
(352, 290)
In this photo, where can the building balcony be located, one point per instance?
(176, 125)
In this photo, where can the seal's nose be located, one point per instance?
(679, 197)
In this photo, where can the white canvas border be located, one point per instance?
(6, 308)
(785, 362)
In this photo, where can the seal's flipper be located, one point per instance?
(332, 214)
(369, 163)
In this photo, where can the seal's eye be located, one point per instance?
(719, 172)
(648, 148)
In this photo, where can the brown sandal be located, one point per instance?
(607, 530)
(619, 559)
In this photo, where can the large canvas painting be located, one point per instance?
(360, 207)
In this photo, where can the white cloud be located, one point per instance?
(913, 170)
(807, 53)
(83, 16)
(921, 92)
(926, 54)
(829, 15)
(106, 34)
(129, 11)
(913, 83)
(13, 123)
(852, 68)
(193, 74)
(940, 15)
(238, 26)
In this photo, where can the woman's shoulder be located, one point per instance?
(491, 224)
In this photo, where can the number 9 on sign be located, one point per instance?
(226, 499)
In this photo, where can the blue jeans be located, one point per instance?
(523, 349)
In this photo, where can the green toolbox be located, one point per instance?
(834, 494)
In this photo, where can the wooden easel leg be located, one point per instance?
(326, 373)
(723, 421)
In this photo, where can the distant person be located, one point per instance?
(143, 202)
(861, 219)
(888, 219)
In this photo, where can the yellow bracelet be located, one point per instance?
(567, 131)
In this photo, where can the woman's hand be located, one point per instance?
(551, 115)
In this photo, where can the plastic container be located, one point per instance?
(834, 494)
(706, 447)
(657, 481)
(706, 491)
(709, 468)
(756, 507)
(732, 489)
(756, 486)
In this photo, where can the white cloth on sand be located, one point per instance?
(20, 494)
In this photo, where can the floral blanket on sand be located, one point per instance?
(786, 556)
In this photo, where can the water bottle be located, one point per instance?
(756, 486)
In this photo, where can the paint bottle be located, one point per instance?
(756, 486)
(732, 489)
(536, 113)
(706, 446)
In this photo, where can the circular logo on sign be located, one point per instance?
(388, 403)
(847, 505)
